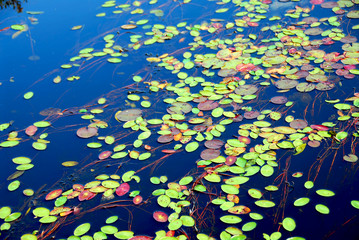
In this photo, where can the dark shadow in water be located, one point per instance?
(15, 4)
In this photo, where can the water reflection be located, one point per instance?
(15, 4)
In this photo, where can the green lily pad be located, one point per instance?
(108, 229)
(267, 170)
(124, 234)
(354, 203)
(41, 212)
(325, 193)
(28, 95)
(192, 146)
(308, 184)
(301, 202)
(249, 226)
(255, 193)
(12, 217)
(4, 212)
(322, 209)
(187, 221)
(48, 219)
(175, 224)
(231, 219)
(264, 203)
(82, 229)
(289, 224)
(13, 185)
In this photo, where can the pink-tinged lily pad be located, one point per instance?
(78, 187)
(209, 154)
(31, 130)
(238, 118)
(324, 86)
(207, 105)
(245, 67)
(165, 138)
(160, 216)
(350, 158)
(302, 74)
(341, 72)
(298, 124)
(53, 194)
(74, 194)
(319, 127)
(348, 39)
(227, 72)
(286, 84)
(200, 128)
(349, 76)
(128, 115)
(104, 155)
(316, 2)
(310, 20)
(313, 31)
(86, 195)
(230, 160)
(214, 144)
(86, 132)
(123, 189)
(137, 200)
(239, 210)
(245, 140)
(140, 238)
(279, 100)
(314, 143)
(246, 90)
(251, 114)
(329, 4)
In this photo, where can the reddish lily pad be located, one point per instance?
(165, 138)
(207, 105)
(251, 114)
(123, 189)
(31, 130)
(298, 124)
(214, 144)
(86, 132)
(209, 154)
(53, 194)
(86, 195)
(279, 100)
(137, 200)
(128, 115)
(160, 216)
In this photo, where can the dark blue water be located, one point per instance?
(31, 60)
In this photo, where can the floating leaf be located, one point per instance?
(41, 212)
(160, 216)
(301, 202)
(192, 146)
(175, 224)
(249, 226)
(13, 185)
(322, 209)
(53, 194)
(108, 229)
(354, 203)
(28, 95)
(230, 219)
(325, 193)
(12, 217)
(289, 224)
(87, 132)
(264, 203)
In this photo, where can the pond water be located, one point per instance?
(183, 119)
